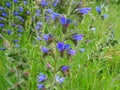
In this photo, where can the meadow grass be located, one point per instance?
(93, 69)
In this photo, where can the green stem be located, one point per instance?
(69, 8)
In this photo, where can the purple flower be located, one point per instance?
(15, 41)
(8, 4)
(2, 8)
(44, 49)
(28, 12)
(61, 46)
(16, 13)
(4, 14)
(38, 25)
(41, 87)
(44, 3)
(15, 1)
(72, 52)
(55, 3)
(38, 12)
(2, 25)
(63, 20)
(84, 10)
(47, 37)
(59, 80)
(77, 37)
(20, 30)
(65, 68)
(21, 9)
(55, 15)
(9, 32)
(98, 9)
(41, 77)
(25, 2)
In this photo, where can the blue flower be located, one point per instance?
(38, 25)
(55, 3)
(9, 32)
(8, 4)
(15, 41)
(61, 46)
(4, 14)
(72, 52)
(38, 12)
(41, 77)
(28, 12)
(47, 37)
(16, 13)
(25, 2)
(84, 10)
(65, 68)
(44, 3)
(44, 49)
(55, 15)
(98, 9)
(2, 8)
(20, 30)
(21, 9)
(15, 1)
(77, 37)
(41, 87)
(59, 80)
(63, 20)
(2, 25)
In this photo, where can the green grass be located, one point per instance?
(91, 70)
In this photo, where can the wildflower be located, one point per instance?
(38, 12)
(55, 15)
(44, 3)
(1, 18)
(61, 46)
(72, 52)
(21, 9)
(25, 2)
(44, 49)
(4, 14)
(65, 23)
(15, 41)
(2, 8)
(20, 30)
(39, 38)
(38, 25)
(41, 78)
(48, 37)
(16, 13)
(59, 80)
(8, 4)
(98, 9)
(2, 25)
(84, 10)
(15, 1)
(65, 70)
(28, 12)
(41, 87)
(55, 3)
(77, 37)
(9, 32)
